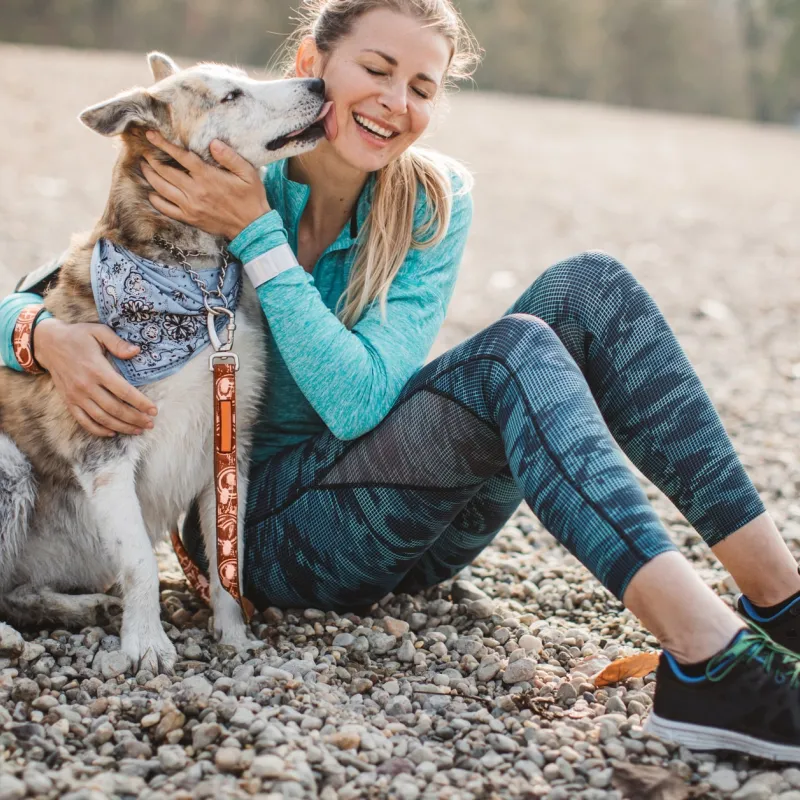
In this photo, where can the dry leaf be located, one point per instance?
(649, 783)
(623, 668)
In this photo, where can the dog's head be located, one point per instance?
(262, 120)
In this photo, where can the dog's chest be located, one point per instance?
(176, 461)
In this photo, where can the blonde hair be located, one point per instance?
(388, 232)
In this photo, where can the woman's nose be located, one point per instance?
(393, 99)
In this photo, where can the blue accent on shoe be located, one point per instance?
(682, 676)
(679, 673)
(756, 617)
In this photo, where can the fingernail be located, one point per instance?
(152, 411)
(148, 424)
(138, 431)
(150, 136)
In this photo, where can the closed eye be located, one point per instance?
(374, 71)
(232, 95)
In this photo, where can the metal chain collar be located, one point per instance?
(183, 257)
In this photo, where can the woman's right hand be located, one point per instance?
(99, 398)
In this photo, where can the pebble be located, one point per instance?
(12, 645)
(724, 780)
(521, 670)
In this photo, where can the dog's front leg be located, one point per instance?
(229, 624)
(110, 483)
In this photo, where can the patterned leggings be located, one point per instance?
(527, 408)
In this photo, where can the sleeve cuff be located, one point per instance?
(269, 265)
(260, 236)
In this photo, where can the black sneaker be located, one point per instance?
(783, 627)
(748, 700)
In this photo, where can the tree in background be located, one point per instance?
(737, 58)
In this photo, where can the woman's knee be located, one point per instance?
(515, 332)
(583, 278)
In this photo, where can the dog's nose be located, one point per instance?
(317, 86)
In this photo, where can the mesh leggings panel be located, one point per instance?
(522, 409)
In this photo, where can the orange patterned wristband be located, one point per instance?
(22, 338)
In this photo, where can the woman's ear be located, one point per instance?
(308, 60)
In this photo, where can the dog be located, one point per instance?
(80, 513)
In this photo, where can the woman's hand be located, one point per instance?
(217, 201)
(99, 398)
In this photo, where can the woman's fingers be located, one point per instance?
(227, 157)
(87, 423)
(163, 186)
(105, 420)
(122, 390)
(167, 208)
(123, 413)
(177, 177)
(185, 158)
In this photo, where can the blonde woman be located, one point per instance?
(376, 474)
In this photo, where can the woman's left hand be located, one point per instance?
(218, 201)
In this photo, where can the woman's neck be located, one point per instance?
(334, 187)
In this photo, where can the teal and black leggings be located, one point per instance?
(528, 408)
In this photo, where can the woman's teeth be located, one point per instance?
(373, 127)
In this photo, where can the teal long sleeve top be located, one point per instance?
(320, 373)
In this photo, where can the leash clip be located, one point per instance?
(218, 345)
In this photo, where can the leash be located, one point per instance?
(224, 363)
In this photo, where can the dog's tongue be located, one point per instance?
(326, 107)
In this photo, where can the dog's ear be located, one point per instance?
(135, 107)
(161, 65)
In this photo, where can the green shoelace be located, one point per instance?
(756, 645)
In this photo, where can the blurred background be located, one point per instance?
(737, 58)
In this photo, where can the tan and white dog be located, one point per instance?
(82, 513)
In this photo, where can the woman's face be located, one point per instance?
(383, 79)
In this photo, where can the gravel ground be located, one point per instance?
(477, 689)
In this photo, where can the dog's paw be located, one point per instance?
(148, 647)
(237, 637)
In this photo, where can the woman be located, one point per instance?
(373, 475)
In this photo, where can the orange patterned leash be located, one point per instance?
(196, 579)
(22, 338)
(226, 484)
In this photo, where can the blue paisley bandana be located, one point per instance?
(157, 307)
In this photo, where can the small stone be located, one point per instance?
(197, 687)
(228, 759)
(12, 645)
(171, 720)
(406, 652)
(314, 614)
(205, 734)
(531, 644)
(395, 627)
(520, 671)
(488, 670)
(381, 643)
(24, 691)
(481, 609)
(110, 664)
(463, 591)
(724, 780)
(344, 640)
(567, 692)
(361, 685)
(615, 706)
(172, 757)
(267, 767)
(601, 779)
(397, 706)
(345, 740)
(12, 788)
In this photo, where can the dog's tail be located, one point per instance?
(17, 499)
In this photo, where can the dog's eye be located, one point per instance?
(232, 95)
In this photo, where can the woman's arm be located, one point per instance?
(10, 308)
(99, 398)
(353, 377)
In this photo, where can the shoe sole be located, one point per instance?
(701, 737)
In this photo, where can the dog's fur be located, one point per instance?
(81, 513)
